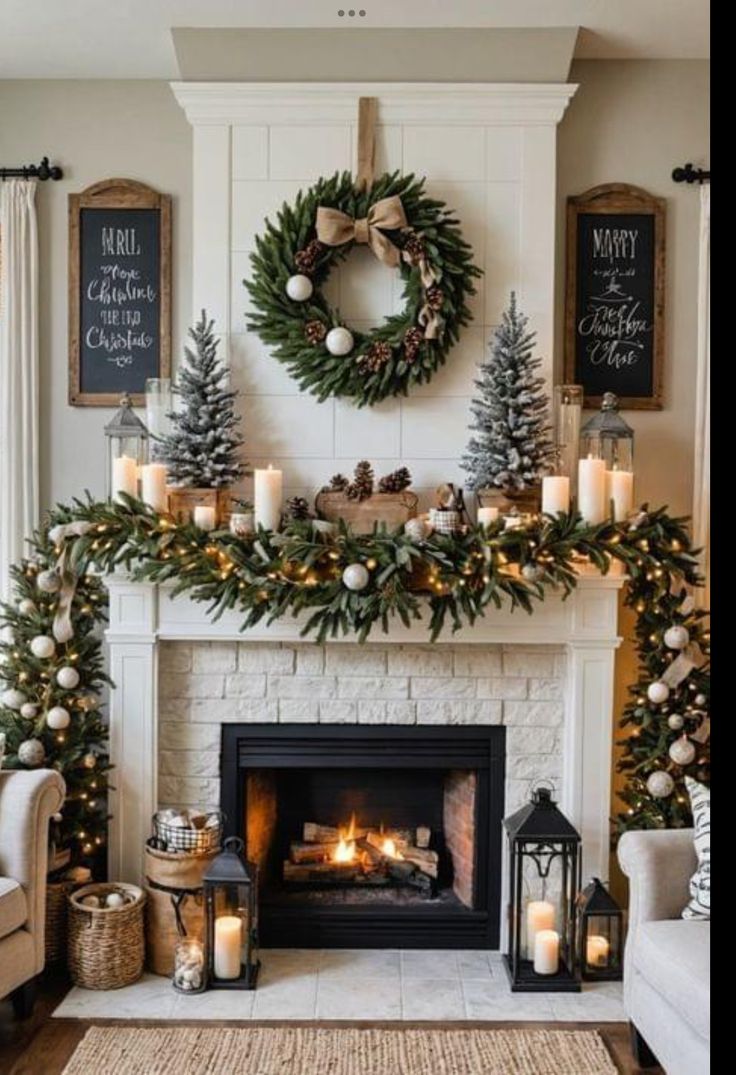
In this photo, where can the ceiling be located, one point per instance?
(131, 38)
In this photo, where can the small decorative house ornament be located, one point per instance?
(600, 934)
(544, 880)
(230, 919)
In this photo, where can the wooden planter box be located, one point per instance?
(530, 501)
(393, 509)
(182, 503)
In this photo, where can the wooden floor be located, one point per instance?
(42, 1045)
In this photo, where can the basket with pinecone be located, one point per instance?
(363, 503)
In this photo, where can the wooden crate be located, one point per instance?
(393, 509)
(528, 502)
(182, 503)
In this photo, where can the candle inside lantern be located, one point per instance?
(555, 494)
(592, 489)
(546, 952)
(486, 516)
(596, 951)
(620, 490)
(540, 914)
(204, 517)
(153, 486)
(268, 494)
(124, 476)
(228, 939)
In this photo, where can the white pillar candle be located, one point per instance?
(268, 494)
(540, 914)
(153, 486)
(486, 516)
(555, 494)
(124, 476)
(204, 517)
(620, 490)
(228, 937)
(596, 951)
(546, 952)
(592, 489)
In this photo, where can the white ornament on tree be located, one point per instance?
(675, 722)
(58, 718)
(43, 647)
(660, 784)
(31, 753)
(658, 692)
(339, 341)
(682, 751)
(48, 582)
(700, 699)
(89, 761)
(676, 637)
(26, 607)
(299, 288)
(12, 698)
(28, 710)
(356, 576)
(67, 677)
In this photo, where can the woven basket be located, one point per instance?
(106, 945)
(56, 919)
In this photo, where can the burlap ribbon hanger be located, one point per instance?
(62, 629)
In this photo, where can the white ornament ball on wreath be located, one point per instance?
(339, 341)
(682, 751)
(31, 753)
(676, 637)
(675, 721)
(67, 677)
(43, 647)
(89, 761)
(26, 607)
(532, 572)
(48, 582)
(58, 718)
(12, 698)
(28, 710)
(417, 529)
(660, 784)
(299, 288)
(356, 576)
(658, 692)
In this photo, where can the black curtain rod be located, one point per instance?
(41, 171)
(688, 174)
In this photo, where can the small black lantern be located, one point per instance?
(230, 919)
(544, 879)
(600, 934)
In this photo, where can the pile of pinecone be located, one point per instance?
(363, 483)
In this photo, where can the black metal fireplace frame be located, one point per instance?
(299, 746)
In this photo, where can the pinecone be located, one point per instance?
(435, 297)
(413, 340)
(362, 485)
(395, 481)
(306, 259)
(376, 357)
(315, 331)
(297, 508)
(338, 484)
(414, 249)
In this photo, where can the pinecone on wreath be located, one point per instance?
(376, 357)
(413, 339)
(361, 486)
(395, 481)
(315, 331)
(435, 298)
(306, 259)
(414, 249)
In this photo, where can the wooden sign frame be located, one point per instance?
(615, 198)
(116, 194)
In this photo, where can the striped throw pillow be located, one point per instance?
(699, 904)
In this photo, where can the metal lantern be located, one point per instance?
(127, 449)
(230, 919)
(544, 879)
(607, 436)
(600, 934)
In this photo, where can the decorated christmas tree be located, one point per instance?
(202, 449)
(511, 447)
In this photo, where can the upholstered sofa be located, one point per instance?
(27, 801)
(667, 958)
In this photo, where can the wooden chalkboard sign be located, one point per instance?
(119, 291)
(614, 306)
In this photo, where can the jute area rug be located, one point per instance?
(349, 1051)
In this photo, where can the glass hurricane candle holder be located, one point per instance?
(158, 409)
(189, 976)
(568, 408)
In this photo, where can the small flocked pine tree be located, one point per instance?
(511, 447)
(202, 449)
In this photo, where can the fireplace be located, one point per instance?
(369, 837)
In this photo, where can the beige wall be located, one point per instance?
(632, 122)
(95, 130)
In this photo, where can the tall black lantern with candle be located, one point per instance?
(600, 934)
(230, 919)
(544, 879)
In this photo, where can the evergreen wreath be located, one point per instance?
(436, 268)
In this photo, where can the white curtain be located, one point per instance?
(701, 490)
(18, 372)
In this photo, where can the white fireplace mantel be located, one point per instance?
(144, 614)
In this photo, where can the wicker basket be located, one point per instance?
(194, 841)
(56, 919)
(106, 946)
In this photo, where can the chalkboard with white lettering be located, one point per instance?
(615, 295)
(119, 291)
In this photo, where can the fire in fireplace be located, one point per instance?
(370, 836)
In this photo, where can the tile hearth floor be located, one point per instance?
(357, 984)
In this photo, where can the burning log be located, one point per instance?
(422, 836)
(313, 833)
(426, 860)
(323, 872)
(299, 852)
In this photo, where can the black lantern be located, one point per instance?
(230, 919)
(600, 934)
(544, 879)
